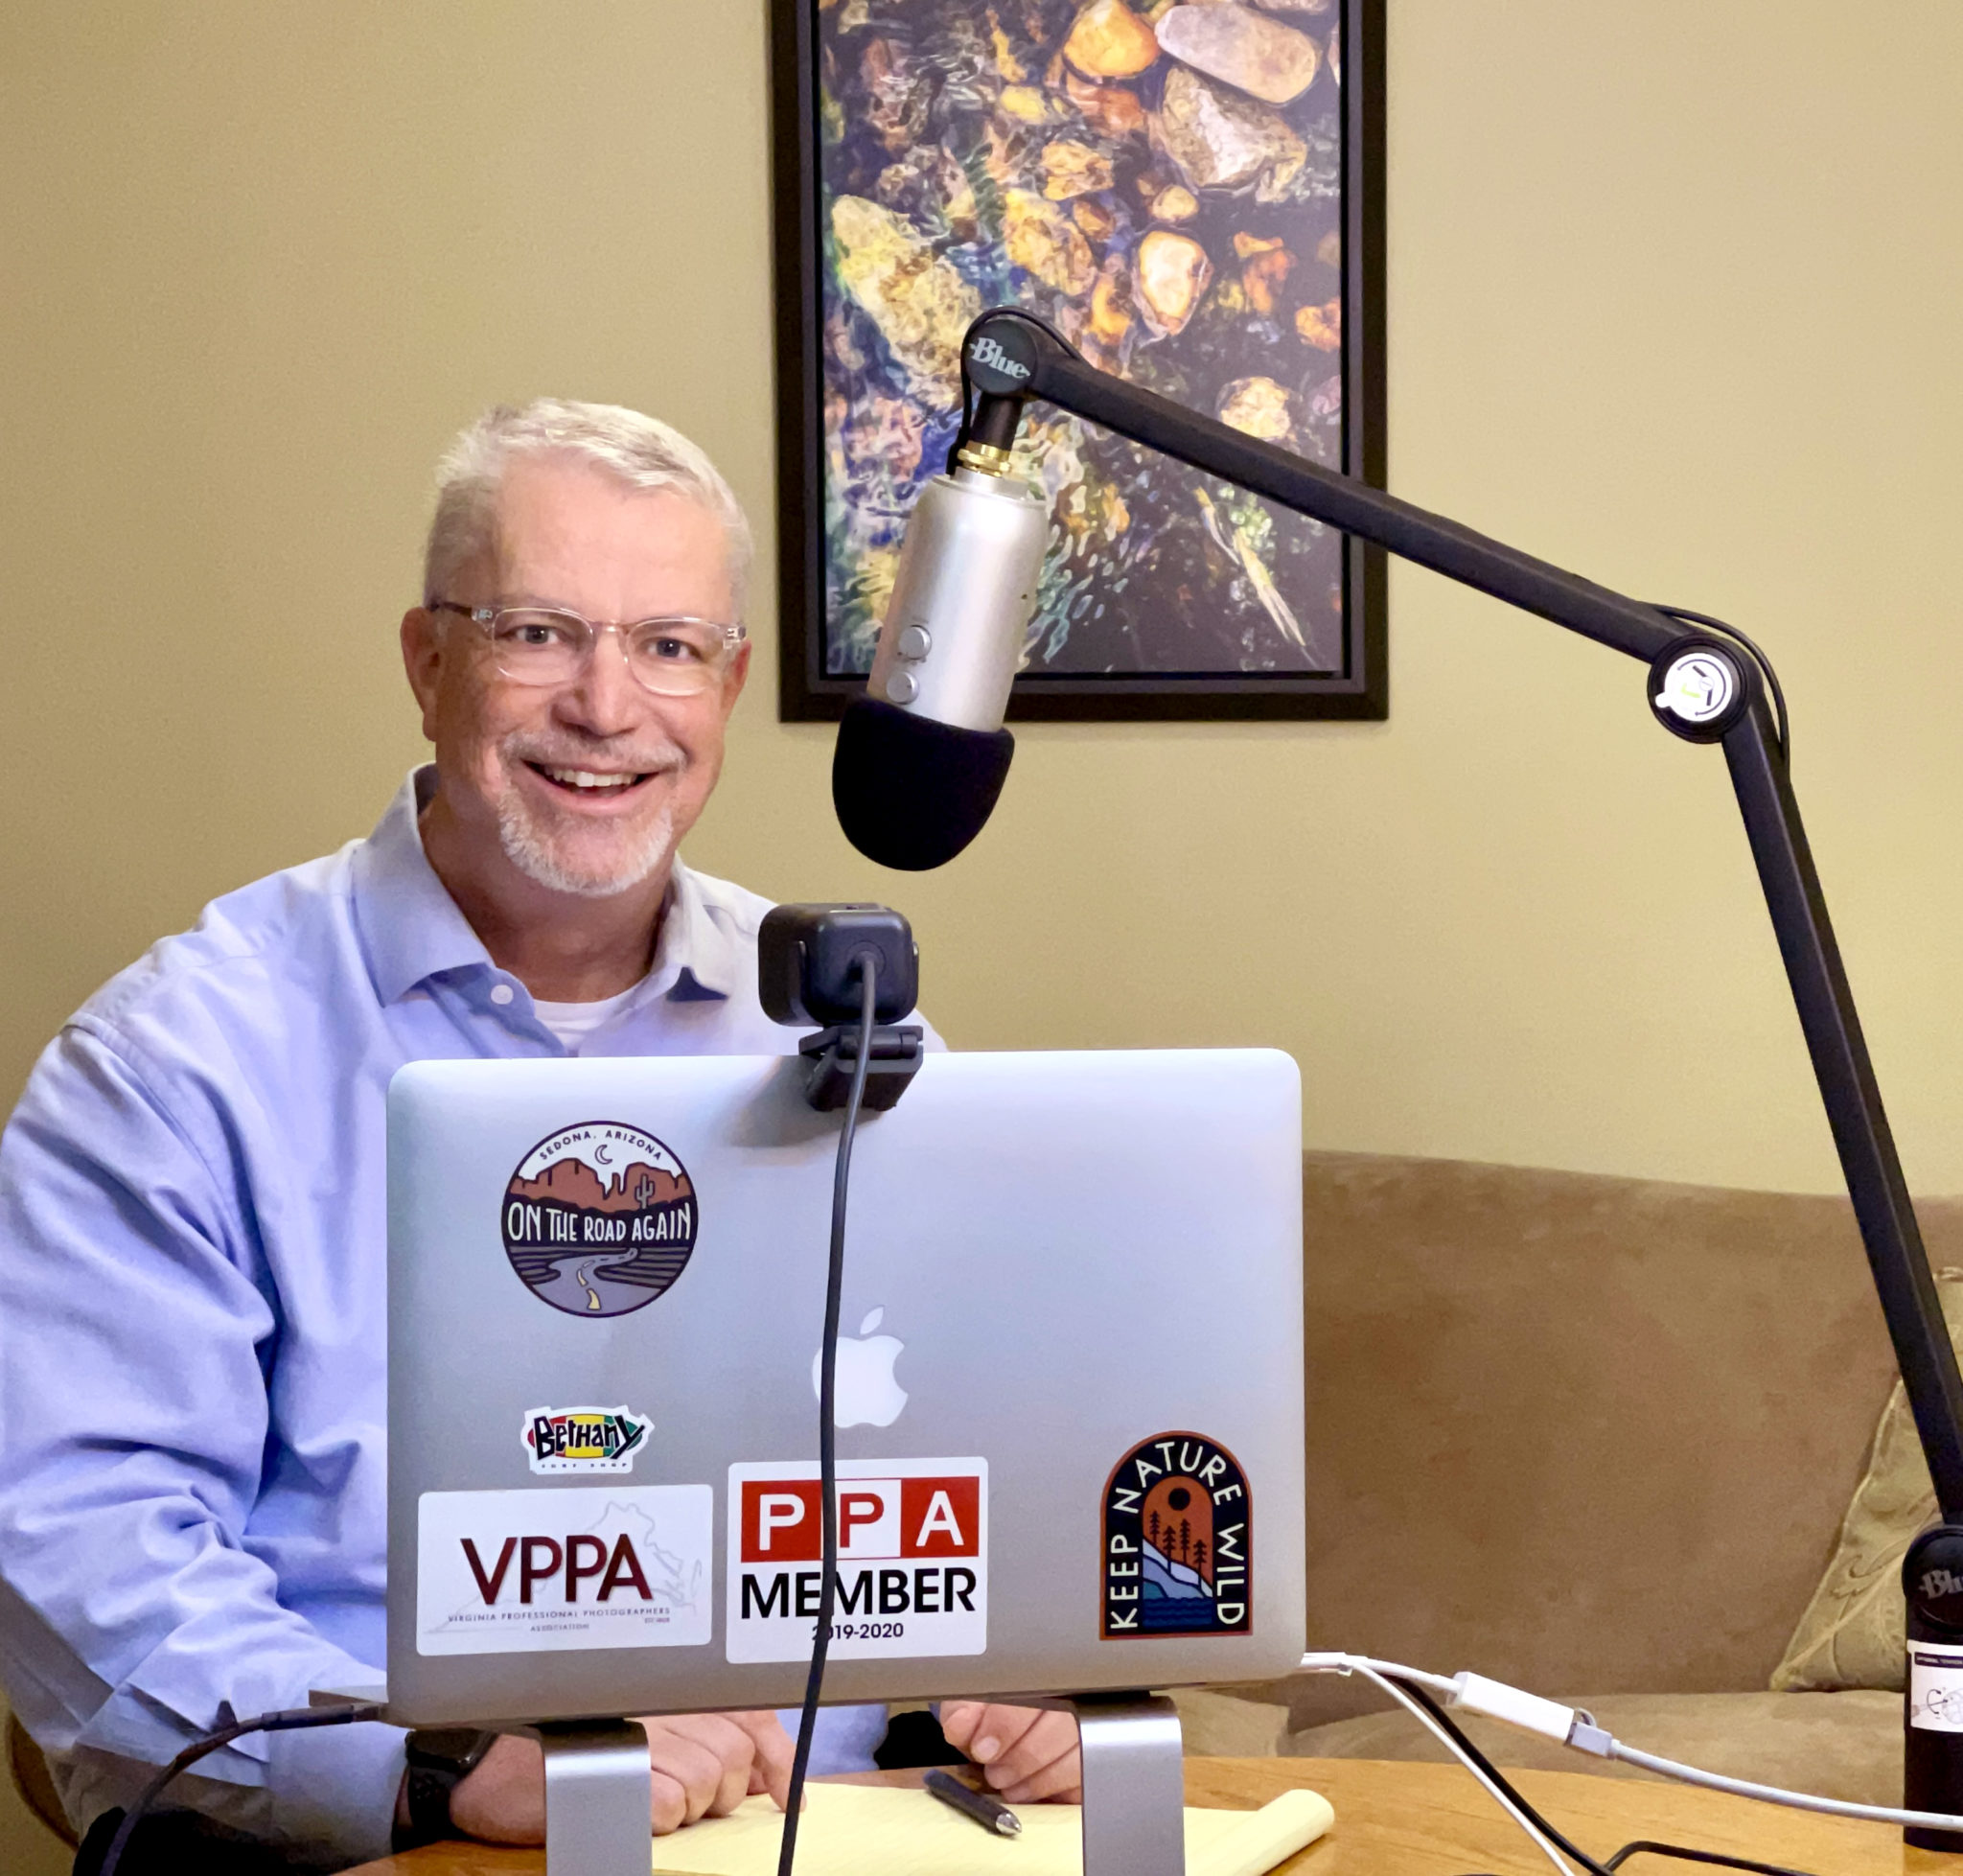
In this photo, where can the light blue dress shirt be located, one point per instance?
(193, 1314)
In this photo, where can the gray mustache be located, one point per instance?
(650, 760)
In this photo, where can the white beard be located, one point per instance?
(528, 848)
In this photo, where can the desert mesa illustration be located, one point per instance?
(599, 1240)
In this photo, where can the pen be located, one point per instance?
(988, 1811)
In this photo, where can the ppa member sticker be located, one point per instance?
(912, 1559)
(571, 1566)
(1177, 1550)
(583, 1439)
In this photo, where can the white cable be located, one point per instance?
(1339, 1664)
(1690, 1774)
(1355, 1664)
(1574, 1728)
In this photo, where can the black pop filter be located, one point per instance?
(912, 792)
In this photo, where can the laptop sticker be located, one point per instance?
(567, 1566)
(1177, 1551)
(583, 1439)
(912, 1559)
(599, 1219)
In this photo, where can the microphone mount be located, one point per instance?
(1703, 686)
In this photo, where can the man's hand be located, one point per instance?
(704, 1765)
(1026, 1752)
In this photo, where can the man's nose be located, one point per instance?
(605, 699)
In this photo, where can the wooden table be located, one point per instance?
(1413, 1820)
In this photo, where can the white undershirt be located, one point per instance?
(573, 1021)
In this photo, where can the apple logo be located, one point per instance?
(867, 1393)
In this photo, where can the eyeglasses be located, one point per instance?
(551, 645)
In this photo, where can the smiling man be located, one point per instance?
(192, 1212)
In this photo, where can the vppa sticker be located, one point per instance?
(583, 1439)
(571, 1566)
(912, 1559)
(1177, 1550)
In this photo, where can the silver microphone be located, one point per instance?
(961, 600)
(922, 756)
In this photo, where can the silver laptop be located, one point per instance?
(1069, 1381)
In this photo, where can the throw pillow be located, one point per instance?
(1854, 1633)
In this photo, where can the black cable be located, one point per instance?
(1457, 1735)
(1642, 1846)
(1758, 658)
(295, 1718)
(827, 1430)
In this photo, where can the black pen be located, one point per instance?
(991, 1814)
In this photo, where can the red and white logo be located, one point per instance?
(912, 1559)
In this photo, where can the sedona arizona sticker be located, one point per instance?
(912, 1559)
(1177, 1550)
(599, 1219)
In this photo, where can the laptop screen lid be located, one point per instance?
(1070, 1401)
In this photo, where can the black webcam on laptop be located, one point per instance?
(810, 968)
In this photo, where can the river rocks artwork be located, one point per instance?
(1163, 183)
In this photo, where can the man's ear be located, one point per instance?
(734, 678)
(421, 639)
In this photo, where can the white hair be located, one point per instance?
(641, 452)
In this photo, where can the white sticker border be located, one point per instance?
(1935, 1686)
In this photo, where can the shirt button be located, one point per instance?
(502, 993)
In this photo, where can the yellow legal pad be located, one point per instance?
(875, 1830)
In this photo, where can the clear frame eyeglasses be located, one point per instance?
(551, 645)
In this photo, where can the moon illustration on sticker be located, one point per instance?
(604, 1155)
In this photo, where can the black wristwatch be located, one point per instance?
(440, 1758)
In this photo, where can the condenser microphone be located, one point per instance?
(922, 756)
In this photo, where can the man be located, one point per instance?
(192, 1225)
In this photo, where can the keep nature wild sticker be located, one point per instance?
(1177, 1550)
(599, 1219)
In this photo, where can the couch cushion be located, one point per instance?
(1844, 1746)
(1855, 1631)
(1214, 1724)
(1556, 1421)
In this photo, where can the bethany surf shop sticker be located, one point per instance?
(599, 1219)
(583, 1439)
(1176, 1541)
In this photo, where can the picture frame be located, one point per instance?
(1194, 193)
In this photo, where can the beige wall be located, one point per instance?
(1673, 300)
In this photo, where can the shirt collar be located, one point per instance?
(695, 954)
(412, 929)
(410, 926)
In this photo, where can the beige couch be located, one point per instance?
(1591, 1435)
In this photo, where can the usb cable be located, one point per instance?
(1575, 1727)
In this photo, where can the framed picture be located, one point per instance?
(1193, 191)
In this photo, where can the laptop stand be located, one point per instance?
(1134, 1785)
(599, 1790)
(599, 1793)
